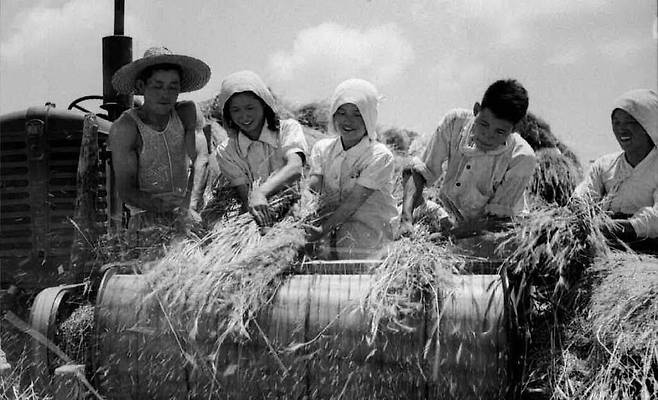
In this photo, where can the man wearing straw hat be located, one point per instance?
(154, 145)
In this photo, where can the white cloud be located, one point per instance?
(54, 52)
(42, 26)
(453, 74)
(329, 53)
(622, 49)
(509, 23)
(494, 9)
(566, 57)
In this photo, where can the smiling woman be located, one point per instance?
(631, 136)
(263, 155)
(352, 172)
(627, 182)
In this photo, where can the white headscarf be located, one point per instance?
(362, 94)
(243, 81)
(641, 104)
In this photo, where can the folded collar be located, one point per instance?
(266, 136)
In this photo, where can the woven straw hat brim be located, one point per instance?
(195, 73)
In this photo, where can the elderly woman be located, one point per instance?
(264, 154)
(353, 174)
(627, 182)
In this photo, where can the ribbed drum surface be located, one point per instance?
(313, 344)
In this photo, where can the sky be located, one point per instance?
(426, 57)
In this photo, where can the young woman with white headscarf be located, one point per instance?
(353, 173)
(264, 154)
(626, 182)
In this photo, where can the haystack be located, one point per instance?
(547, 253)
(558, 170)
(611, 351)
(314, 115)
(555, 177)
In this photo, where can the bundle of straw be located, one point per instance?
(415, 273)
(548, 251)
(234, 275)
(552, 245)
(225, 205)
(154, 242)
(612, 351)
(74, 333)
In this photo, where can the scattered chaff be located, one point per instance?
(15, 383)
(118, 246)
(43, 340)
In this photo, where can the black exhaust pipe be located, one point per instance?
(117, 52)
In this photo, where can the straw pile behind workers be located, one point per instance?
(555, 176)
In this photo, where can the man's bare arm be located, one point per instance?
(197, 150)
(199, 172)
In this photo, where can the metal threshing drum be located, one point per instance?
(138, 357)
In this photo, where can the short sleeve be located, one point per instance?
(379, 167)
(293, 139)
(319, 156)
(430, 165)
(508, 197)
(232, 167)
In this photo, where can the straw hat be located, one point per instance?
(195, 73)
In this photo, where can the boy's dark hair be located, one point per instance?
(271, 118)
(506, 99)
(148, 71)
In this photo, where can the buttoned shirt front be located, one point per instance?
(369, 164)
(244, 161)
(476, 183)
